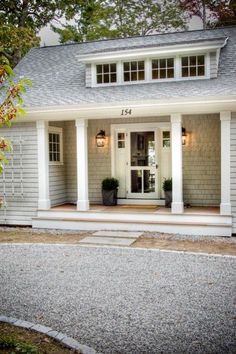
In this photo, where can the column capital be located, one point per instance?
(225, 116)
(176, 117)
(41, 124)
(81, 122)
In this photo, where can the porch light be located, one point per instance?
(184, 136)
(100, 138)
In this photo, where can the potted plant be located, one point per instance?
(167, 188)
(109, 191)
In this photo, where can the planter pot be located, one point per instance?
(168, 199)
(109, 197)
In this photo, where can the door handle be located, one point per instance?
(157, 166)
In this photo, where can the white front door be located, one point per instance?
(141, 159)
(142, 167)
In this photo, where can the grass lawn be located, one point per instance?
(14, 340)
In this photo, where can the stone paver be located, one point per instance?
(119, 234)
(112, 241)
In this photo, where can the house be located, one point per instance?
(163, 105)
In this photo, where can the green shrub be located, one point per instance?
(167, 184)
(110, 183)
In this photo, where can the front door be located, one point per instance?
(142, 165)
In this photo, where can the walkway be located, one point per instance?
(123, 301)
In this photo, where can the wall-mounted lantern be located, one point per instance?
(100, 138)
(184, 136)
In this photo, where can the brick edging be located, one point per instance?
(60, 337)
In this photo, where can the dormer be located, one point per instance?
(198, 59)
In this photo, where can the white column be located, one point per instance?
(177, 206)
(43, 171)
(225, 206)
(82, 164)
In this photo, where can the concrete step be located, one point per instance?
(212, 227)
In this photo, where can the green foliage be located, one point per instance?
(211, 12)
(110, 183)
(167, 184)
(10, 105)
(18, 346)
(20, 22)
(100, 19)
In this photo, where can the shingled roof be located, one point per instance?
(59, 78)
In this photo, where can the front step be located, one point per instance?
(214, 225)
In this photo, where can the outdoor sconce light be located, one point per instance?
(100, 138)
(184, 136)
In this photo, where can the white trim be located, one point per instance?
(59, 131)
(225, 206)
(82, 164)
(177, 163)
(43, 169)
(210, 45)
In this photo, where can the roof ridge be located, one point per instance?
(138, 36)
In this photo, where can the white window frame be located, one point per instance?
(148, 69)
(107, 73)
(59, 131)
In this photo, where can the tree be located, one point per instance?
(228, 19)
(101, 19)
(20, 21)
(209, 11)
(10, 104)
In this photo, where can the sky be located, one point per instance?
(48, 37)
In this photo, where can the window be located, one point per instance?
(134, 71)
(121, 140)
(162, 68)
(106, 73)
(55, 145)
(193, 66)
(166, 139)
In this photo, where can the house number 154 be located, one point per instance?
(126, 112)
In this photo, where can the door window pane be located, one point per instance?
(149, 181)
(142, 149)
(136, 181)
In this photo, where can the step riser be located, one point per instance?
(177, 229)
(137, 217)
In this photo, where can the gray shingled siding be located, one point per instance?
(213, 65)
(21, 197)
(88, 75)
(59, 77)
(201, 160)
(233, 169)
(57, 176)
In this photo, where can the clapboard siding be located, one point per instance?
(233, 168)
(57, 176)
(21, 198)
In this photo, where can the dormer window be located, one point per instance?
(134, 71)
(162, 69)
(193, 66)
(106, 73)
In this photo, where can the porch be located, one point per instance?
(195, 220)
(70, 192)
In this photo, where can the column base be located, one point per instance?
(225, 209)
(177, 208)
(83, 205)
(44, 204)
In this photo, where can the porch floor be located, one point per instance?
(131, 209)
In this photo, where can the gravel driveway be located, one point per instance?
(123, 301)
